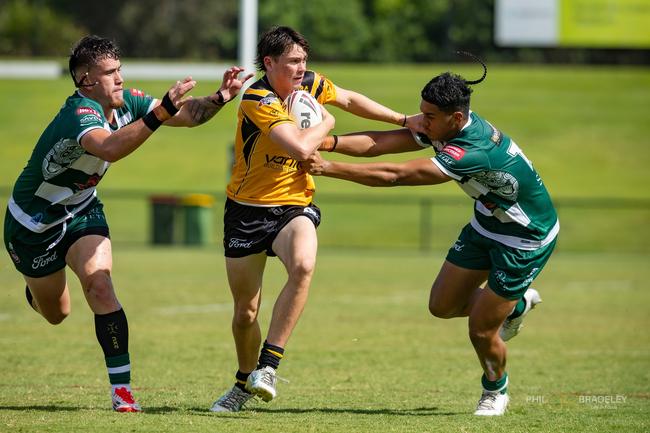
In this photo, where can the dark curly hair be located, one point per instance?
(451, 92)
(88, 52)
(276, 41)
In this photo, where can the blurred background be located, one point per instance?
(568, 80)
(559, 31)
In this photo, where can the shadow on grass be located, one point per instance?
(419, 411)
(54, 408)
(162, 410)
(46, 408)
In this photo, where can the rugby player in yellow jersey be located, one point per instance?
(269, 209)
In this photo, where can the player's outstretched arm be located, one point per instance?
(196, 111)
(115, 146)
(371, 143)
(362, 106)
(415, 172)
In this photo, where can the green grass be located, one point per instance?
(365, 357)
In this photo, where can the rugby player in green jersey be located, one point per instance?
(488, 271)
(54, 218)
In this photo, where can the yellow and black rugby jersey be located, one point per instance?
(263, 172)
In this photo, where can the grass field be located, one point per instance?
(366, 356)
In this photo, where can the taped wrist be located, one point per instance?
(221, 101)
(161, 113)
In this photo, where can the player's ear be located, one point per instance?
(459, 118)
(267, 62)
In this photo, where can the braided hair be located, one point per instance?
(451, 92)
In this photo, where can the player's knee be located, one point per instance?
(56, 317)
(440, 310)
(100, 287)
(302, 269)
(478, 334)
(244, 317)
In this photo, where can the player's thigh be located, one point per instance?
(90, 255)
(454, 286)
(51, 293)
(245, 276)
(465, 269)
(296, 245)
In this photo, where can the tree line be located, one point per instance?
(338, 30)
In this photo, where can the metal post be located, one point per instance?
(247, 37)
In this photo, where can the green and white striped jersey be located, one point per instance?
(60, 177)
(512, 205)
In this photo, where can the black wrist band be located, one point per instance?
(336, 141)
(404, 121)
(151, 121)
(168, 105)
(220, 99)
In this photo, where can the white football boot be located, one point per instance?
(232, 401)
(262, 383)
(123, 400)
(511, 327)
(492, 403)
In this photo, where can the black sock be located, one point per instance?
(240, 380)
(112, 332)
(270, 355)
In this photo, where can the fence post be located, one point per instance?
(425, 224)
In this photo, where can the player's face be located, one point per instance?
(437, 124)
(285, 73)
(108, 88)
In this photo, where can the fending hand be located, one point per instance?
(315, 164)
(231, 85)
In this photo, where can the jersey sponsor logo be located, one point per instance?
(87, 110)
(497, 136)
(59, 158)
(500, 277)
(88, 119)
(36, 218)
(283, 163)
(239, 243)
(137, 92)
(530, 277)
(312, 212)
(454, 151)
(446, 159)
(44, 260)
(269, 99)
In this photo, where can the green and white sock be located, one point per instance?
(500, 385)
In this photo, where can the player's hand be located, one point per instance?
(315, 164)
(231, 85)
(179, 90)
(414, 122)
